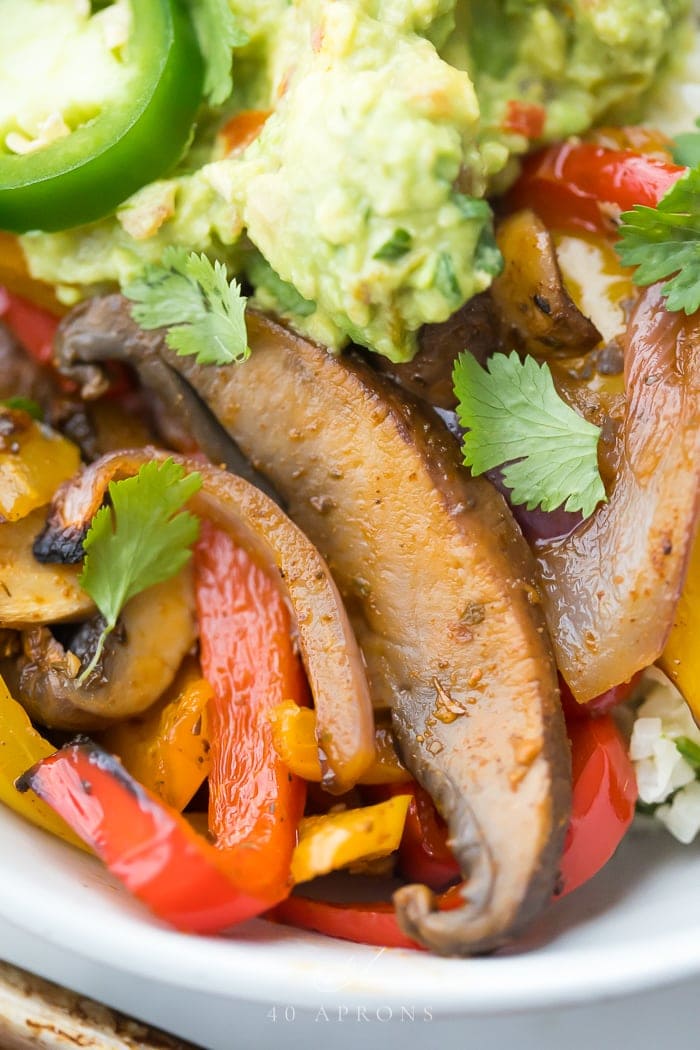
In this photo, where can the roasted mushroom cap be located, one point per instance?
(440, 588)
(140, 660)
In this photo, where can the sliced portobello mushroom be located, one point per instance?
(440, 586)
(140, 659)
(429, 375)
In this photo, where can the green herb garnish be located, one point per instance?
(143, 538)
(203, 311)
(517, 421)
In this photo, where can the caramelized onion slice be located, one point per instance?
(330, 653)
(612, 585)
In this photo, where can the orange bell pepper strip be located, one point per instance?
(15, 276)
(680, 659)
(248, 657)
(147, 845)
(33, 463)
(167, 748)
(295, 740)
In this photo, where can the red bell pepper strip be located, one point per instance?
(150, 847)
(604, 797)
(567, 184)
(248, 658)
(424, 855)
(33, 326)
(373, 923)
(600, 705)
(366, 923)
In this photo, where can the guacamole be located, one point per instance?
(358, 211)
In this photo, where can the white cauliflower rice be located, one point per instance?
(665, 778)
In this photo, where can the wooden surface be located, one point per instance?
(37, 1014)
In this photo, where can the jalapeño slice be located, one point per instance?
(136, 136)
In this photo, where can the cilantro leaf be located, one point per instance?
(665, 242)
(446, 279)
(142, 539)
(261, 274)
(193, 298)
(686, 148)
(218, 32)
(516, 420)
(25, 404)
(398, 244)
(472, 207)
(690, 751)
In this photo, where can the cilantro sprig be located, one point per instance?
(664, 242)
(516, 420)
(143, 538)
(685, 148)
(203, 311)
(218, 32)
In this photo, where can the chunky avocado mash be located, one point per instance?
(358, 210)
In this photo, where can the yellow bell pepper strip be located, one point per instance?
(294, 738)
(33, 462)
(21, 746)
(167, 748)
(680, 659)
(335, 840)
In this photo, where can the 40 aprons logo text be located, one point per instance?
(354, 1014)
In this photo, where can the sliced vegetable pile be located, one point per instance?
(299, 624)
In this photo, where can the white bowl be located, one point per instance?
(635, 927)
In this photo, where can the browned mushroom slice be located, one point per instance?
(140, 659)
(31, 593)
(102, 330)
(534, 307)
(334, 666)
(429, 375)
(440, 587)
